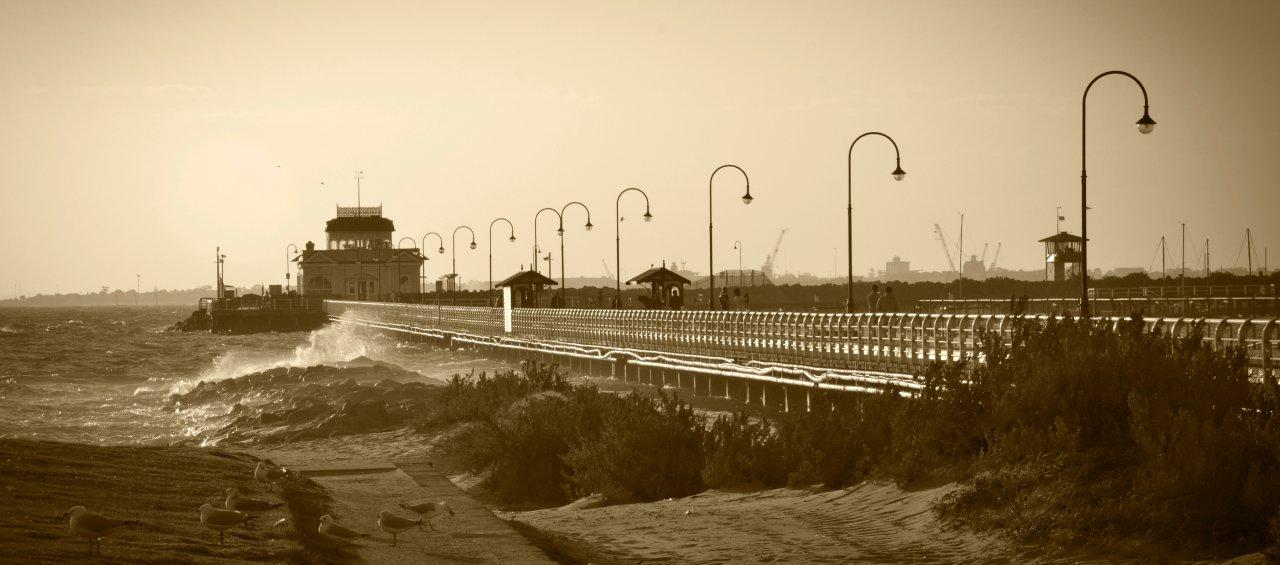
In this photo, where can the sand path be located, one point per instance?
(870, 523)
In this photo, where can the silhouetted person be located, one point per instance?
(677, 299)
(873, 298)
(746, 300)
(888, 302)
(733, 300)
(724, 299)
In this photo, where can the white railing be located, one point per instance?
(900, 343)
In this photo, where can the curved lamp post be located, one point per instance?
(286, 266)
(737, 244)
(560, 232)
(898, 174)
(1145, 125)
(711, 248)
(424, 253)
(512, 239)
(560, 221)
(399, 265)
(453, 251)
(617, 239)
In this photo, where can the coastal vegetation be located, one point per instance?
(162, 487)
(1128, 441)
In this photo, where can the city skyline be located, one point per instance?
(138, 142)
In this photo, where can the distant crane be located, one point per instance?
(996, 259)
(946, 248)
(984, 252)
(607, 272)
(769, 259)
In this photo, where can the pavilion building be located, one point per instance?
(358, 261)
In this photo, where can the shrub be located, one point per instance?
(647, 449)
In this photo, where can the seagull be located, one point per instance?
(247, 504)
(393, 524)
(337, 533)
(222, 520)
(268, 475)
(86, 524)
(429, 510)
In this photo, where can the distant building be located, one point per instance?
(1062, 254)
(1125, 271)
(974, 268)
(897, 269)
(358, 261)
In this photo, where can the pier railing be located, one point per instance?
(900, 343)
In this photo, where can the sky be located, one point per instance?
(135, 137)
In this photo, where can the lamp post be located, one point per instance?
(897, 173)
(512, 239)
(1145, 126)
(535, 233)
(737, 244)
(286, 265)
(617, 235)
(439, 240)
(453, 251)
(560, 232)
(711, 248)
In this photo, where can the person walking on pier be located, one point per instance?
(873, 298)
(888, 302)
(724, 299)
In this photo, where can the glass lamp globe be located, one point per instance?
(1146, 125)
(899, 174)
(473, 245)
(746, 198)
(647, 216)
(512, 239)
(589, 225)
(560, 231)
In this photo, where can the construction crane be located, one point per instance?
(995, 259)
(937, 230)
(607, 272)
(769, 259)
(984, 252)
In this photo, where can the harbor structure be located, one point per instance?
(358, 261)
(1062, 255)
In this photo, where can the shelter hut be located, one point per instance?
(1062, 254)
(525, 287)
(666, 288)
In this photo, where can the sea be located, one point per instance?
(108, 375)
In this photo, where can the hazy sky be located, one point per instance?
(135, 137)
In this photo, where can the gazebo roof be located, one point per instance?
(659, 275)
(1062, 237)
(526, 278)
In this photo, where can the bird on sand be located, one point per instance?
(236, 501)
(86, 524)
(222, 520)
(337, 533)
(429, 510)
(394, 525)
(268, 475)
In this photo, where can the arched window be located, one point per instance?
(318, 285)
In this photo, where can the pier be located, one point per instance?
(770, 358)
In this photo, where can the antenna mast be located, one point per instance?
(359, 177)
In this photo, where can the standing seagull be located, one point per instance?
(222, 520)
(429, 510)
(394, 525)
(246, 504)
(268, 475)
(86, 524)
(337, 533)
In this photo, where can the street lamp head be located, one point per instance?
(473, 244)
(746, 198)
(647, 216)
(899, 174)
(590, 225)
(512, 239)
(1146, 125)
(560, 231)
(441, 250)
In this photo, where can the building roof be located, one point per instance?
(361, 223)
(526, 278)
(659, 275)
(1062, 237)
(360, 255)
